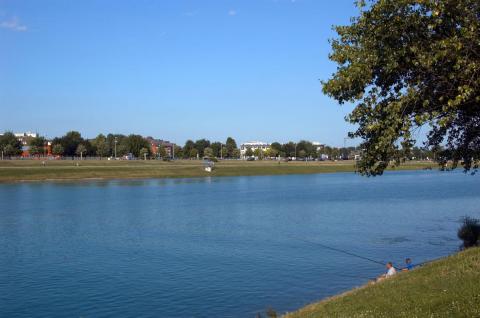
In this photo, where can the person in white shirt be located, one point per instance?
(390, 272)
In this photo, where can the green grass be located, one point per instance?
(446, 288)
(33, 170)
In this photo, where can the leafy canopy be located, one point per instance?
(406, 64)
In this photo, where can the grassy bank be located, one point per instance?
(33, 170)
(445, 288)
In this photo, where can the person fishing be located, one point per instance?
(391, 271)
(408, 265)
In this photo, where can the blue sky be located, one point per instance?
(171, 69)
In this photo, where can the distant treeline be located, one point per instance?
(73, 144)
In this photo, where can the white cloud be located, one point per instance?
(13, 24)
(232, 12)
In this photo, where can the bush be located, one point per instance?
(469, 232)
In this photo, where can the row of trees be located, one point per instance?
(204, 148)
(73, 144)
(303, 149)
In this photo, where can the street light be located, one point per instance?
(116, 147)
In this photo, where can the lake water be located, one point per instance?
(216, 247)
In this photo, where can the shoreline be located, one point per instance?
(102, 170)
(430, 288)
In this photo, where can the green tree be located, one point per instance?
(10, 150)
(57, 150)
(302, 154)
(406, 64)
(307, 147)
(193, 153)
(81, 149)
(217, 148)
(200, 145)
(271, 152)
(111, 143)
(35, 151)
(187, 148)
(178, 152)
(289, 149)
(230, 146)
(134, 143)
(235, 153)
(38, 142)
(100, 145)
(102, 149)
(10, 145)
(69, 142)
(144, 152)
(37, 146)
(249, 152)
(161, 152)
(208, 152)
(258, 152)
(276, 146)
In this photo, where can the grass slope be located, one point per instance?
(31, 170)
(446, 288)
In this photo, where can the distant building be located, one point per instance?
(25, 137)
(254, 145)
(156, 144)
(26, 134)
(318, 146)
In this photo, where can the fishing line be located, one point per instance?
(339, 250)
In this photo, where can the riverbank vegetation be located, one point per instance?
(444, 288)
(32, 170)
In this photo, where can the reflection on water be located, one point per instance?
(216, 247)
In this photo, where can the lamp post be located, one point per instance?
(116, 147)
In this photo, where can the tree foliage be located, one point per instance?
(200, 145)
(39, 142)
(81, 149)
(143, 153)
(69, 142)
(469, 232)
(134, 143)
(208, 152)
(187, 149)
(406, 64)
(10, 145)
(230, 146)
(57, 149)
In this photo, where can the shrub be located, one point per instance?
(469, 232)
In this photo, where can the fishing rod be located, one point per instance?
(360, 256)
(339, 250)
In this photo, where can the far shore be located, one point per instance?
(68, 170)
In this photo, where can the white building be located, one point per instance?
(253, 145)
(26, 134)
(318, 146)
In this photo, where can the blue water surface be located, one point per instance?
(216, 247)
